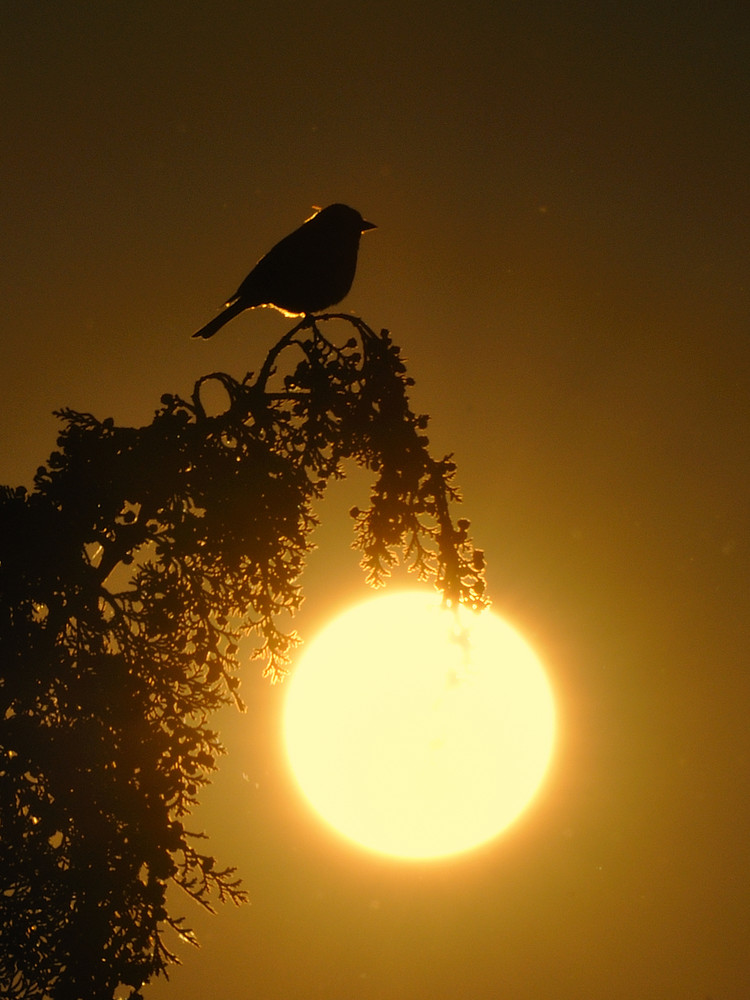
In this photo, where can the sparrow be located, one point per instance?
(308, 271)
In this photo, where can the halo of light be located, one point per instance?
(417, 733)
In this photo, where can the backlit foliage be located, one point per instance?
(129, 577)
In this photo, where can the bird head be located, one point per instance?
(344, 216)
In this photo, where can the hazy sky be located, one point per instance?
(561, 192)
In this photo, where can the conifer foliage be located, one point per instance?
(129, 577)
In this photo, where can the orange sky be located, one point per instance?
(562, 253)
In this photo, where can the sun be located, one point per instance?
(417, 733)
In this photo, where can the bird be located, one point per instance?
(309, 270)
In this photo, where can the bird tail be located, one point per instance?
(229, 312)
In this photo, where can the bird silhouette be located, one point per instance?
(309, 270)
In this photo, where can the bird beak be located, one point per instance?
(367, 225)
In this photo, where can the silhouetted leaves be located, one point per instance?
(129, 577)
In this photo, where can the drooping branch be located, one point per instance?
(131, 579)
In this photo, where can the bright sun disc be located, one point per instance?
(417, 734)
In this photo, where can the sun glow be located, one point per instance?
(416, 733)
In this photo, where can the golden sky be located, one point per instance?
(561, 196)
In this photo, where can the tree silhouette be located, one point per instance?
(128, 578)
